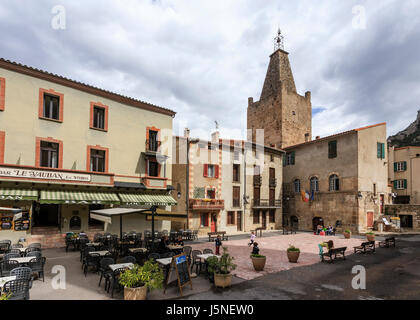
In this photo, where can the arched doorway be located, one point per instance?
(294, 222)
(317, 221)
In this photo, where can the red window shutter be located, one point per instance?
(206, 170)
(216, 173)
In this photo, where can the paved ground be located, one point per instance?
(390, 274)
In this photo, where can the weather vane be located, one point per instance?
(279, 41)
(217, 125)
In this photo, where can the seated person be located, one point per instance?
(318, 229)
(329, 230)
(179, 241)
(164, 241)
(330, 244)
(255, 249)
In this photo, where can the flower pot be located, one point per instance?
(293, 256)
(222, 280)
(139, 293)
(259, 263)
(347, 235)
(370, 237)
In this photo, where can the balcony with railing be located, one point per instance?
(272, 182)
(257, 180)
(266, 203)
(152, 145)
(207, 204)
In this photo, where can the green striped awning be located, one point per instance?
(78, 197)
(147, 199)
(18, 194)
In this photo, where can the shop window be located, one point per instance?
(231, 217)
(49, 154)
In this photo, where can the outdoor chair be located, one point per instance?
(82, 246)
(128, 259)
(35, 245)
(188, 234)
(7, 266)
(85, 253)
(17, 245)
(70, 242)
(154, 256)
(31, 249)
(114, 281)
(207, 251)
(17, 251)
(195, 235)
(4, 247)
(104, 269)
(8, 256)
(19, 289)
(92, 260)
(23, 273)
(37, 265)
(196, 261)
(187, 250)
(37, 254)
(167, 255)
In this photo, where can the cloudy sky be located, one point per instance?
(203, 59)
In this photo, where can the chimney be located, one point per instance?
(250, 101)
(186, 133)
(215, 137)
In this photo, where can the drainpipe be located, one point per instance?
(187, 192)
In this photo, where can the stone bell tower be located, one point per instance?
(285, 116)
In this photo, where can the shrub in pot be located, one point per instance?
(221, 268)
(370, 236)
(258, 261)
(347, 234)
(293, 254)
(139, 279)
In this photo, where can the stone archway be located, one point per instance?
(317, 221)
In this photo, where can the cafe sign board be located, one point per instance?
(43, 175)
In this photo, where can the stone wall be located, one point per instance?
(405, 209)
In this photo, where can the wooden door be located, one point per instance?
(264, 219)
(272, 196)
(213, 222)
(256, 196)
(370, 219)
(236, 195)
(239, 220)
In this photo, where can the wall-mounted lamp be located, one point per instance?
(178, 195)
(359, 194)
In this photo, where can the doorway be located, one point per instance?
(46, 215)
(213, 222)
(369, 219)
(239, 220)
(406, 221)
(264, 219)
(317, 221)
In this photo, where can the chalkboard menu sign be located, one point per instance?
(180, 265)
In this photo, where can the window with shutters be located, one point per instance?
(230, 217)
(211, 171)
(236, 168)
(334, 183)
(204, 219)
(236, 196)
(400, 166)
(289, 159)
(332, 149)
(380, 149)
(400, 184)
(296, 184)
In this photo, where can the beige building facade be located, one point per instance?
(67, 148)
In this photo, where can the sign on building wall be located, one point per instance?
(45, 175)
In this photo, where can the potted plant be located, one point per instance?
(137, 280)
(221, 267)
(293, 254)
(370, 236)
(347, 234)
(258, 261)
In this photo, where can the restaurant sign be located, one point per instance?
(44, 175)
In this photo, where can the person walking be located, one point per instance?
(251, 241)
(218, 243)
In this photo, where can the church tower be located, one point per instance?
(285, 116)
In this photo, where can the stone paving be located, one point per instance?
(274, 248)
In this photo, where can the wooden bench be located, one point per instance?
(387, 243)
(333, 253)
(213, 235)
(365, 247)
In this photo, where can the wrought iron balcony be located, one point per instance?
(152, 145)
(207, 204)
(267, 203)
(257, 180)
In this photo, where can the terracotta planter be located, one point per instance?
(139, 293)
(347, 235)
(223, 280)
(259, 263)
(293, 256)
(370, 237)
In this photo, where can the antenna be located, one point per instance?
(279, 41)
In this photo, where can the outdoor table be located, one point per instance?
(22, 250)
(135, 250)
(101, 253)
(116, 266)
(165, 261)
(3, 281)
(175, 248)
